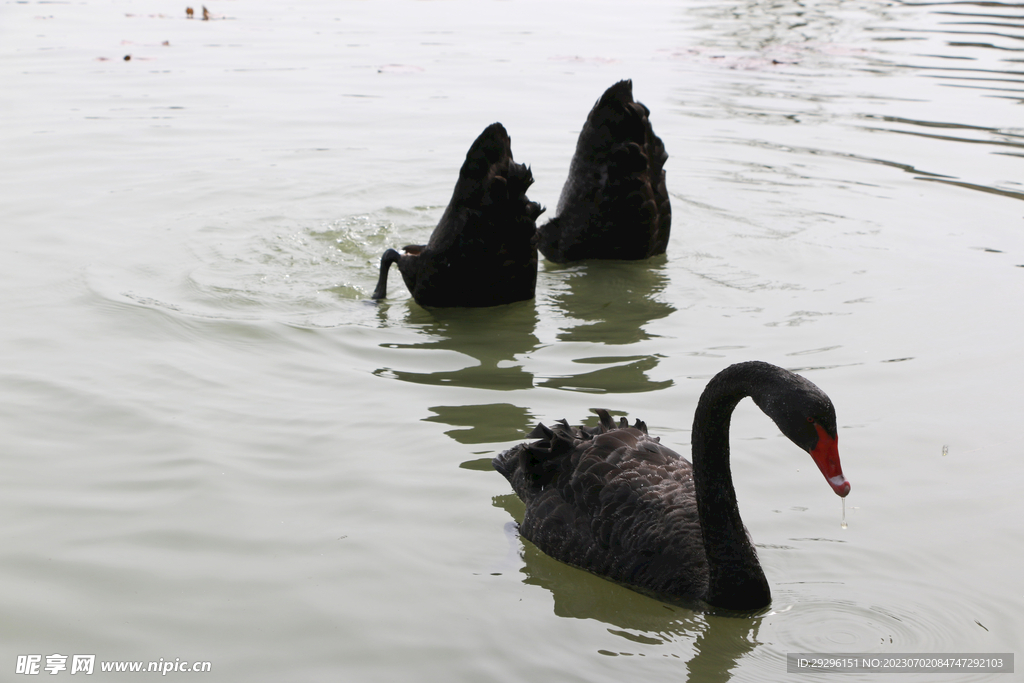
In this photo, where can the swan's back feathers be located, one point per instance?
(614, 501)
(614, 204)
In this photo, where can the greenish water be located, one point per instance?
(216, 449)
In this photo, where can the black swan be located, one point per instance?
(613, 501)
(483, 251)
(614, 204)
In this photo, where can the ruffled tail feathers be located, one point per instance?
(520, 178)
(490, 177)
(532, 466)
(628, 121)
(617, 117)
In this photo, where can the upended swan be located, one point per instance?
(483, 251)
(614, 204)
(614, 501)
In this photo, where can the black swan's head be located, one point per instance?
(805, 414)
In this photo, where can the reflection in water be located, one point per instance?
(613, 300)
(629, 377)
(719, 642)
(720, 646)
(610, 302)
(607, 302)
(494, 423)
(493, 337)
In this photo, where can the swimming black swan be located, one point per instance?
(612, 500)
(614, 204)
(483, 251)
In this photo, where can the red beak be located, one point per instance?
(826, 457)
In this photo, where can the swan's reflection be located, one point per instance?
(496, 423)
(610, 301)
(719, 642)
(492, 423)
(720, 646)
(623, 375)
(493, 337)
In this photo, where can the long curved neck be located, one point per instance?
(735, 578)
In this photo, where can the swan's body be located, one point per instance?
(614, 501)
(614, 204)
(483, 251)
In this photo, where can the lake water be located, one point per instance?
(216, 449)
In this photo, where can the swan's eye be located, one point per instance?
(810, 419)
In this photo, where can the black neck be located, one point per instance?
(735, 578)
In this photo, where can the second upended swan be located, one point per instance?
(614, 501)
(614, 204)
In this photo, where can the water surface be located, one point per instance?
(216, 449)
